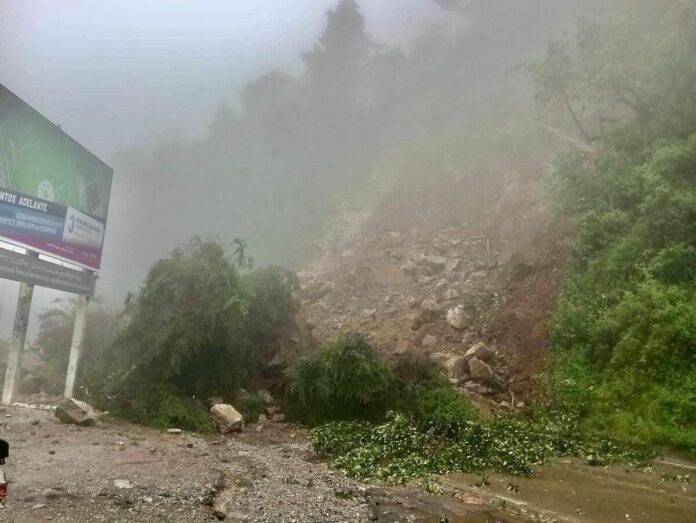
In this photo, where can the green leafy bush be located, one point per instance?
(441, 408)
(623, 335)
(415, 371)
(340, 381)
(164, 407)
(624, 331)
(196, 329)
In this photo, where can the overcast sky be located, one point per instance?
(116, 73)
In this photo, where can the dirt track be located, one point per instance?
(117, 472)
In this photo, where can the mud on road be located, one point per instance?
(118, 472)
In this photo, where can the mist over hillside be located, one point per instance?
(298, 150)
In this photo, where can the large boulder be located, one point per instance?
(76, 412)
(480, 351)
(481, 371)
(457, 366)
(226, 418)
(457, 318)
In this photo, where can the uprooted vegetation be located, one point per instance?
(401, 420)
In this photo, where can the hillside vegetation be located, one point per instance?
(623, 336)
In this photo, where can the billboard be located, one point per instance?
(54, 193)
(26, 268)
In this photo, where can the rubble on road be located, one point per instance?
(226, 418)
(76, 412)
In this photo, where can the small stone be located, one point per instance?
(123, 484)
(38, 506)
(457, 318)
(173, 431)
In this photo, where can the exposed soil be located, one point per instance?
(501, 262)
(118, 472)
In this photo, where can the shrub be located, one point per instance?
(249, 404)
(197, 329)
(163, 406)
(415, 371)
(340, 381)
(442, 408)
(623, 335)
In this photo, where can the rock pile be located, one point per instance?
(437, 296)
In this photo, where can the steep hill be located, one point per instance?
(440, 268)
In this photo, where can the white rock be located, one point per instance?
(480, 351)
(227, 418)
(123, 484)
(457, 318)
(457, 366)
(173, 431)
(75, 412)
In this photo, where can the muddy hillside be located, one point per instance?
(466, 280)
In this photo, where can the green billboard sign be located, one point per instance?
(54, 193)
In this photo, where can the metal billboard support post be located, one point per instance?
(76, 345)
(19, 337)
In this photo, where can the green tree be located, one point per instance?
(197, 328)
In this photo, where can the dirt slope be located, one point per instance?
(419, 254)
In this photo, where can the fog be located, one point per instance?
(266, 120)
